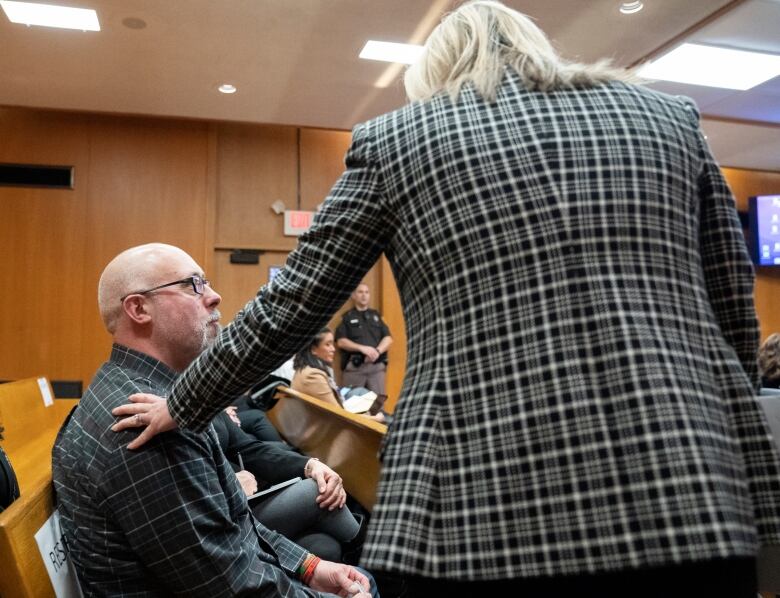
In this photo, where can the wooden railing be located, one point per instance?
(348, 443)
(31, 427)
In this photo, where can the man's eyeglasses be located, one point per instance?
(198, 285)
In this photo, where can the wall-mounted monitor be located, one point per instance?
(764, 226)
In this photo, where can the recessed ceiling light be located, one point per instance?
(391, 52)
(134, 23)
(629, 8)
(49, 15)
(713, 67)
(227, 88)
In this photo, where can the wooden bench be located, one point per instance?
(24, 574)
(31, 427)
(347, 442)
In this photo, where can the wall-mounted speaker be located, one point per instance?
(36, 175)
(245, 256)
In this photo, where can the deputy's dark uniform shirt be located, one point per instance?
(365, 328)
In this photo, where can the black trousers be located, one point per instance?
(723, 578)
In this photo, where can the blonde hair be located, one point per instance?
(769, 357)
(477, 42)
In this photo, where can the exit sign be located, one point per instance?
(297, 222)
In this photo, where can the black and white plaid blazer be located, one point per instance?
(579, 392)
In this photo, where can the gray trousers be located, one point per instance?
(368, 375)
(294, 513)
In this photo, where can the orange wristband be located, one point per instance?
(310, 570)
(305, 564)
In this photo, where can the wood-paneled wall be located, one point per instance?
(256, 166)
(43, 254)
(206, 187)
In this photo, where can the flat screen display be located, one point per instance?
(764, 214)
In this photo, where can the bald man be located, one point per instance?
(171, 519)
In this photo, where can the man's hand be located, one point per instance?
(247, 481)
(144, 410)
(379, 416)
(370, 352)
(340, 579)
(332, 494)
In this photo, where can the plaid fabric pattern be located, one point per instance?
(579, 392)
(168, 520)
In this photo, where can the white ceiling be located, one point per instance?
(295, 61)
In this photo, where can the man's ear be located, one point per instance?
(137, 309)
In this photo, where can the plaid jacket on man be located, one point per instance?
(579, 391)
(168, 520)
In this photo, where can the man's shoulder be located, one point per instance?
(373, 315)
(114, 383)
(348, 315)
(111, 387)
(89, 430)
(87, 443)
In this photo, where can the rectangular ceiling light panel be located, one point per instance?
(713, 67)
(49, 15)
(391, 52)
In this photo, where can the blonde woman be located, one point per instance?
(578, 412)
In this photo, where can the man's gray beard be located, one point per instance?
(208, 340)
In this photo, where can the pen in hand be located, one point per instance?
(240, 461)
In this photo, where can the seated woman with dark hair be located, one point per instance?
(314, 371)
(769, 361)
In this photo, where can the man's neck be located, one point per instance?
(143, 345)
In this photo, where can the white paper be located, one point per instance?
(54, 552)
(360, 404)
(48, 400)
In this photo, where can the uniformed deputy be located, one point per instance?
(363, 338)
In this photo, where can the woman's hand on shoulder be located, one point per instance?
(144, 411)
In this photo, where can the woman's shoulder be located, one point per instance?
(308, 374)
(309, 371)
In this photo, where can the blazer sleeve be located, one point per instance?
(314, 382)
(728, 271)
(347, 237)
